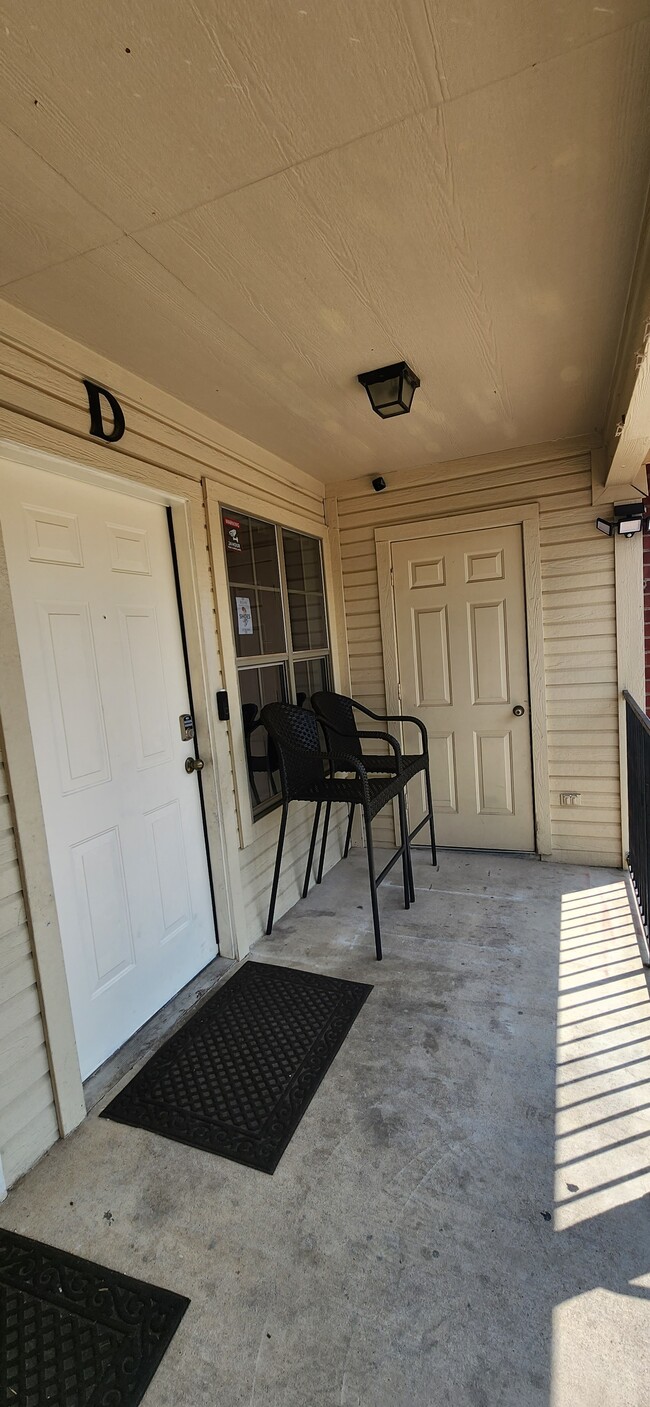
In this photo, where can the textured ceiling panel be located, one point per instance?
(362, 196)
(149, 107)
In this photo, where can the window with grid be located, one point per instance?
(279, 616)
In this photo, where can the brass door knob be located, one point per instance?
(518, 710)
(194, 764)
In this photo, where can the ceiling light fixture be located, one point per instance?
(390, 389)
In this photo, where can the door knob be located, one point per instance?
(194, 764)
(518, 711)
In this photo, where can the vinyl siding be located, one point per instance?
(46, 407)
(28, 1123)
(43, 405)
(578, 606)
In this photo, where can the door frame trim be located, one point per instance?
(525, 515)
(185, 498)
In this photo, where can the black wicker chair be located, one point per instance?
(267, 763)
(307, 774)
(335, 713)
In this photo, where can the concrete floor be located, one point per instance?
(463, 1215)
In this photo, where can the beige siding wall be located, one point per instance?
(28, 1123)
(46, 408)
(43, 406)
(578, 617)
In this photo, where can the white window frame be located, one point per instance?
(222, 496)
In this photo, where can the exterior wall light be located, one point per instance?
(390, 389)
(628, 520)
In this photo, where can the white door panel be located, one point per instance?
(462, 664)
(97, 618)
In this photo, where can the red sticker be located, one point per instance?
(232, 526)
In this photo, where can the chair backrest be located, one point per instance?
(295, 734)
(338, 711)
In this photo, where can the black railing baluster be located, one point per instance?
(637, 729)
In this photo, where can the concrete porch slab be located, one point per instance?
(462, 1217)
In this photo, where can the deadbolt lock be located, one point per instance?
(186, 724)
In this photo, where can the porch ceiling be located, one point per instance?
(247, 205)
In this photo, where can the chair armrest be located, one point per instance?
(409, 718)
(396, 718)
(386, 737)
(350, 764)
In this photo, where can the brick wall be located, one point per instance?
(646, 595)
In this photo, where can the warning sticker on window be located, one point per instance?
(232, 526)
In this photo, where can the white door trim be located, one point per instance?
(185, 499)
(526, 514)
(35, 874)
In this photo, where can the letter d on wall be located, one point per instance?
(97, 427)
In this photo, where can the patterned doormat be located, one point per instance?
(237, 1077)
(74, 1334)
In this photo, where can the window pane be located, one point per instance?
(257, 687)
(317, 622)
(312, 676)
(308, 625)
(299, 622)
(272, 618)
(265, 554)
(255, 592)
(246, 620)
(258, 621)
(239, 551)
(302, 562)
(251, 550)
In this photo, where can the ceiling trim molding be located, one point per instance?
(478, 463)
(632, 337)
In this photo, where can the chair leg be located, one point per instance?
(404, 838)
(312, 847)
(323, 844)
(348, 834)
(373, 884)
(409, 852)
(432, 831)
(278, 863)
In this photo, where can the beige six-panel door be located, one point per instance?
(463, 669)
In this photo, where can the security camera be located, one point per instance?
(378, 485)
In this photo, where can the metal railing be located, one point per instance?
(638, 803)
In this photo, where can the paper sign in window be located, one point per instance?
(244, 615)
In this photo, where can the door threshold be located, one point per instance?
(148, 1039)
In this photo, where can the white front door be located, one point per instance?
(95, 602)
(463, 669)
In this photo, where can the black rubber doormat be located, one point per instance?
(237, 1077)
(75, 1334)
